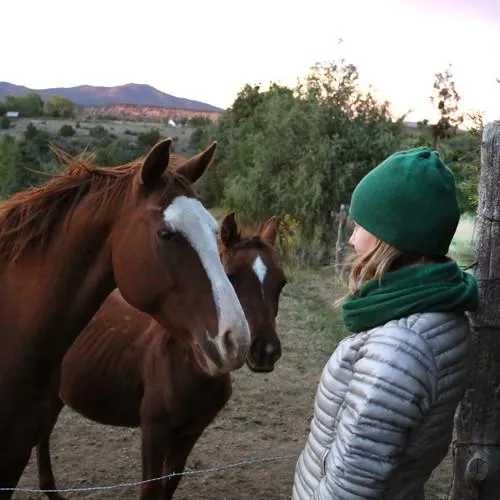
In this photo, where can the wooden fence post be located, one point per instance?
(476, 445)
(340, 245)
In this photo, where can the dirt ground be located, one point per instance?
(268, 416)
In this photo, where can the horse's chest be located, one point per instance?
(187, 404)
(208, 398)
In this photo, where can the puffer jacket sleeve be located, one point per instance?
(392, 387)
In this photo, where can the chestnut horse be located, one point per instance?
(126, 370)
(64, 246)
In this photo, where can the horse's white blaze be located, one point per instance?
(190, 218)
(260, 269)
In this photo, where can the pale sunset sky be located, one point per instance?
(208, 49)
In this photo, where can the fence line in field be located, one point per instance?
(86, 489)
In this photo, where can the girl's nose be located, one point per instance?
(351, 239)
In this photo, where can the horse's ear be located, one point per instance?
(195, 167)
(229, 233)
(269, 231)
(156, 162)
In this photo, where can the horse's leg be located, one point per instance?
(11, 472)
(16, 446)
(45, 474)
(175, 461)
(32, 428)
(155, 439)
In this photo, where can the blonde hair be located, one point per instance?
(374, 263)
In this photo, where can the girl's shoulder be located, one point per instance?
(435, 336)
(428, 324)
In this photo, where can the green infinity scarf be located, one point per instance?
(438, 287)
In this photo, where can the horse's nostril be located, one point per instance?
(269, 349)
(229, 344)
(265, 352)
(256, 345)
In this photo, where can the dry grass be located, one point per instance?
(120, 128)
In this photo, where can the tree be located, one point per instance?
(31, 132)
(476, 123)
(446, 98)
(198, 121)
(461, 151)
(99, 132)
(8, 154)
(195, 139)
(462, 154)
(66, 131)
(28, 105)
(148, 139)
(4, 122)
(59, 107)
(300, 152)
(247, 100)
(33, 154)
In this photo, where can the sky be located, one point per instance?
(208, 50)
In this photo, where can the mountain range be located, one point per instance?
(130, 93)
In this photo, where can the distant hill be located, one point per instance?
(131, 93)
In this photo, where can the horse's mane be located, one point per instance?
(28, 218)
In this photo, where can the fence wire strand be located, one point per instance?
(235, 465)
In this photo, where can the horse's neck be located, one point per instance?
(53, 293)
(175, 353)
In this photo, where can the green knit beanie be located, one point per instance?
(410, 202)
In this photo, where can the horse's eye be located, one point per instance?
(166, 235)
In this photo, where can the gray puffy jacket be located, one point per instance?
(384, 409)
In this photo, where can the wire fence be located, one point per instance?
(102, 488)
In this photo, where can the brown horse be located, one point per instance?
(66, 245)
(126, 370)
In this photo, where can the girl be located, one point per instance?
(384, 408)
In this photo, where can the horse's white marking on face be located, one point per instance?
(260, 269)
(190, 218)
